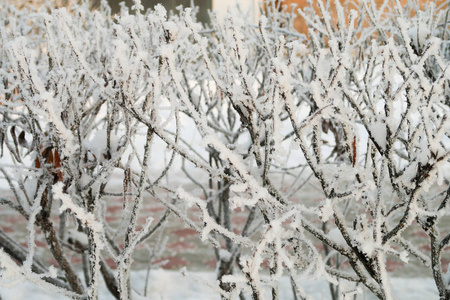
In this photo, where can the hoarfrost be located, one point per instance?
(288, 155)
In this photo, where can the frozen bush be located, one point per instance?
(252, 117)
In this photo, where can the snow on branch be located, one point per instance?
(290, 156)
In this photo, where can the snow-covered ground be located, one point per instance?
(173, 285)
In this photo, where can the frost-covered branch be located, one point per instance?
(330, 149)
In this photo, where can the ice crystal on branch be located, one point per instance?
(289, 155)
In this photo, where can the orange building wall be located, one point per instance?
(300, 23)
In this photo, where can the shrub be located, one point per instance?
(252, 119)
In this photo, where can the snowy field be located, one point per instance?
(172, 285)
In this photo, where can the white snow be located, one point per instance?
(173, 285)
(247, 187)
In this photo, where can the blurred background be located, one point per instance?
(220, 6)
(251, 7)
(204, 5)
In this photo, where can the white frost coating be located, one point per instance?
(239, 188)
(137, 5)
(87, 219)
(97, 144)
(51, 108)
(234, 278)
(404, 31)
(352, 293)
(172, 28)
(419, 34)
(12, 275)
(404, 256)
(210, 223)
(204, 95)
(78, 236)
(385, 282)
(366, 242)
(54, 114)
(160, 11)
(326, 210)
(259, 193)
(27, 264)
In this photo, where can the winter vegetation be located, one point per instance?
(332, 147)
